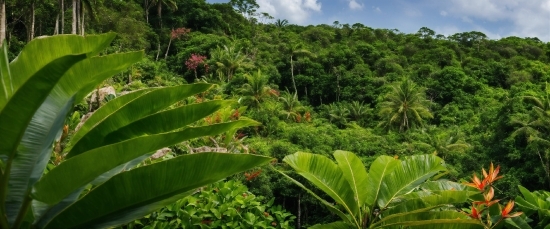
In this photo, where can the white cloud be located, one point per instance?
(526, 18)
(443, 13)
(354, 5)
(377, 9)
(295, 11)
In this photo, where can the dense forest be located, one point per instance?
(466, 98)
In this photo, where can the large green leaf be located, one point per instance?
(76, 172)
(35, 150)
(330, 206)
(6, 85)
(326, 175)
(334, 225)
(122, 111)
(408, 175)
(20, 108)
(355, 173)
(441, 198)
(382, 166)
(167, 120)
(131, 194)
(428, 218)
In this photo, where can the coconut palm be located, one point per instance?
(291, 105)
(281, 23)
(405, 106)
(338, 114)
(256, 88)
(358, 111)
(445, 143)
(228, 60)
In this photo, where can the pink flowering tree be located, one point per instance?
(195, 61)
(176, 34)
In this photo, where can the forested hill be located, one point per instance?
(469, 99)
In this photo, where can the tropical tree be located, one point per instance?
(358, 112)
(405, 106)
(228, 60)
(338, 114)
(394, 193)
(37, 91)
(445, 143)
(281, 23)
(297, 50)
(536, 128)
(170, 3)
(291, 105)
(256, 88)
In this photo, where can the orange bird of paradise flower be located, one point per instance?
(488, 198)
(506, 211)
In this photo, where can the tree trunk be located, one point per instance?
(159, 11)
(168, 49)
(62, 3)
(2, 21)
(56, 29)
(32, 22)
(74, 16)
(158, 52)
(78, 12)
(82, 21)
(146, 8)
(292, 74)
(299, 214)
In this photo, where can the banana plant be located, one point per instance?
(537, 204)
(37, 91)
(393, 194)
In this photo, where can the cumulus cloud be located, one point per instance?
(443, 13)
(525, 18)
(354, 5)
(295, 11)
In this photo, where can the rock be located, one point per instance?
(160, 153)
(103, 92)
(82, 120)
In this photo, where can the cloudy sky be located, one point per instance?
(495, 18)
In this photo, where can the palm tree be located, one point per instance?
(291, 105)
(445, 143)
(229, 59)
(358, 112)
(338, 114)
(281, 23)
(405, 106)
(170, 3)
(79, 9)
(297, 50)
(256, 88)
(537, 129)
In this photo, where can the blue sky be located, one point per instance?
(495, 18)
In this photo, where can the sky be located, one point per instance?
(495, 18)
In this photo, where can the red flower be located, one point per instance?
(492, 176)
(488, 198)
(506, 211)
(475, 213)
(476, 183)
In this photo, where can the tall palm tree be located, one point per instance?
(170, 3)
(405, 106)
(281, 23)
(296, 51)
(256, 88)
